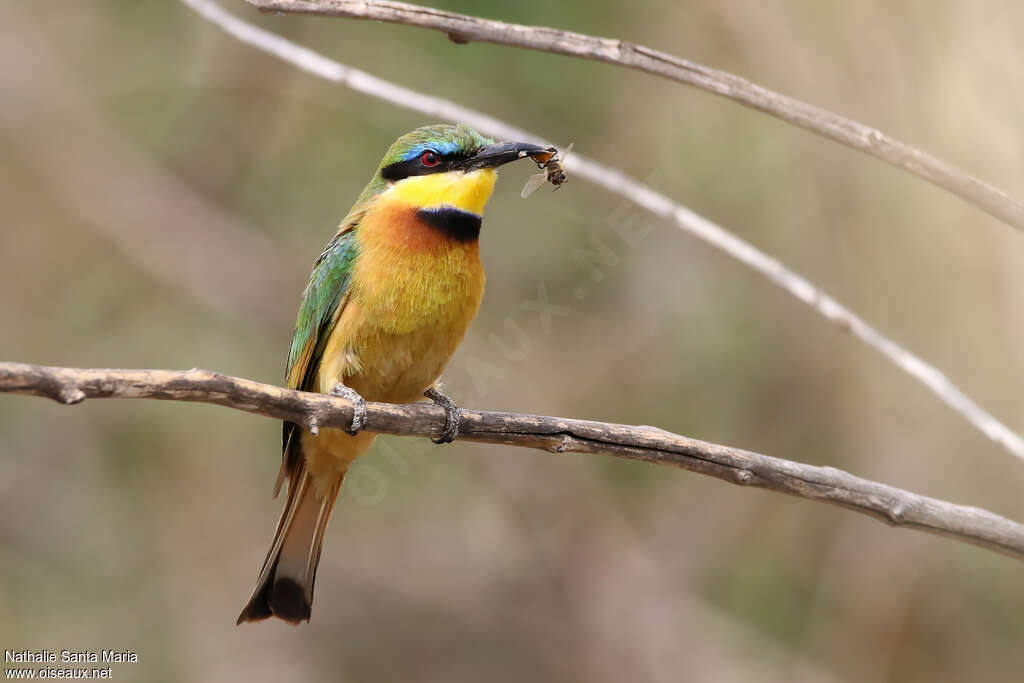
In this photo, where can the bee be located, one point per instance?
(551, 171)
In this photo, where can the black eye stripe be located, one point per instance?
(404, 169)
(410, 167)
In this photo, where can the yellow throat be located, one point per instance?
(464, 191)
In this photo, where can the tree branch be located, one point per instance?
(463, 29)
(554, 434)
(618, 183)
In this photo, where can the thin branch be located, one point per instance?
(636, 192)
(554, 434)
(463, 29)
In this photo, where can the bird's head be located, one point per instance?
(443, 166)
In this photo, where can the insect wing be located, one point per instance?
(533, 184)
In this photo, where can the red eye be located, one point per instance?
(430, 158)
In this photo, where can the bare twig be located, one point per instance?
(632, 190)
(463, 29)
(555, 434)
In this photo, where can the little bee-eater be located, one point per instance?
(388, 301)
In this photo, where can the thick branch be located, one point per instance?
(462, 28)
(555, 434)
(618, 183)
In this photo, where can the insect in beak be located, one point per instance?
(552, 171)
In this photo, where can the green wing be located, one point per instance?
(322, 303)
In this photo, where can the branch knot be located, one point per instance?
(71, 395)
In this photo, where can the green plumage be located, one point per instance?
(327, 286)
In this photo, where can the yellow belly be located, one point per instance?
(382, 356)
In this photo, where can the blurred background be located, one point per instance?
(165, 190)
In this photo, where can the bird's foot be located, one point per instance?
(358, 407)
(451, 415)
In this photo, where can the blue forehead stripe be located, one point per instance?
(441, 146)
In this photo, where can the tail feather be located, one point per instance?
(285, 586)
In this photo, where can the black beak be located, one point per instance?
(499, 153)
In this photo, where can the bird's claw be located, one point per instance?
(451, 415)
(358, 407)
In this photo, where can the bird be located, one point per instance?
(388, 301)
